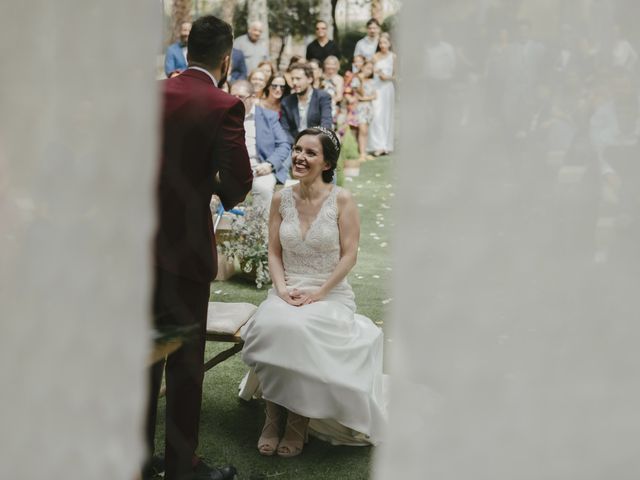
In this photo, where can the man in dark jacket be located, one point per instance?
(203, 153)
(306, 107)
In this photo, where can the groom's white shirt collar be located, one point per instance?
(213, 79)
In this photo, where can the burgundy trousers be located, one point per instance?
(181, 302)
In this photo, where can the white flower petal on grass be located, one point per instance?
(348, 179)
(385, 206)
(360, 205)
(359, 185)
(377, 174)
(375, 276)
(388, 185)
(218, 292)
(388, 269)
(381, 225)
(386, 300)
(383, 244)
(379, 323)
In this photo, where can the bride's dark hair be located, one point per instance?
(330, 148)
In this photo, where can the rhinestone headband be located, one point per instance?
(332, 136)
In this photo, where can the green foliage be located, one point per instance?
(292, 17)
(389, 24)
(349, 149)
(340, 171)
(348, 40)
(240, 19)
(248, 244)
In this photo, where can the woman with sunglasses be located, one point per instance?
(274, 91)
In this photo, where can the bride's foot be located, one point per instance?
(268, 441)
(295, 436)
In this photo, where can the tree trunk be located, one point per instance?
(181, 13)
(258, 11)
(376, 10)
(325, 14)
(336, 35)
(228, 8)
(283, 45)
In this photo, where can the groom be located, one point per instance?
(202, 153)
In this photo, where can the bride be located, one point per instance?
(314, 360)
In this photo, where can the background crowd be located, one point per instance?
(312, 89)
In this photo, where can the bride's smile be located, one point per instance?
(306, 157)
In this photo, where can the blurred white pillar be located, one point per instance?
(78, 148)
(511, 358)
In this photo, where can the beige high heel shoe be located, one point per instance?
(296, 434)
(269, 439)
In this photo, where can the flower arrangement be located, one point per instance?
(247, 243)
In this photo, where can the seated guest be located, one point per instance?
(333, 83)
(175, 61)
(306, 106)
(276, 89)
(317, 73)
(292, 61)
(267, 145)
(238, 66)
(267, 68)
(258, 79)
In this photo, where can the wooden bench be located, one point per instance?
(224, 321)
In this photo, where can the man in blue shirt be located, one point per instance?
(175, 61)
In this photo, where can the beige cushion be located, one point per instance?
(227, 318)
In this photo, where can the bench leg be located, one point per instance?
(222, 356)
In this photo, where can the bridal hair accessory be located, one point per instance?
(332, 136)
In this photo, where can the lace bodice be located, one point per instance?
(319, 251)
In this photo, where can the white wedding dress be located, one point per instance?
(381, 128)
(322, 360)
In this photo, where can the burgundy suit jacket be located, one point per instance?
(202, 135)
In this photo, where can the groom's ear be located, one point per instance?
(226, 64)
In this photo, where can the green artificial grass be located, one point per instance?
(229, 426)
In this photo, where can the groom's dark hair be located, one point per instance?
(210, 40)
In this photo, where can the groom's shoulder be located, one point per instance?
(184, 88)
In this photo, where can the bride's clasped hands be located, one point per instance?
(298, 298)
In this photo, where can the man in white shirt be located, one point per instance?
(368, 45)
(254, 49)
